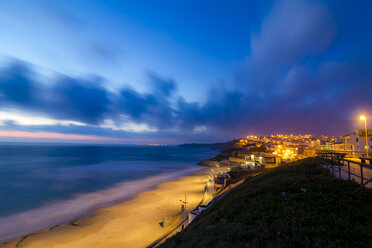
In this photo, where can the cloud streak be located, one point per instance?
(52, 135)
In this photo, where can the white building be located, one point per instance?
(355, 142)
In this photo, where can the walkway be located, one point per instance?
(354, 169)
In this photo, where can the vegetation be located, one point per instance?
(214, 146)
(238, 173)
(297, 205)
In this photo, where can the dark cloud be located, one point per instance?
(132, 137)
(286, 82)
(151, 108)
(293, 30)
(221, 109)
(16, 85)
(161, 86)
(66, 98)
(77, 99)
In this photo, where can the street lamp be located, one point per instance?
(363, 118)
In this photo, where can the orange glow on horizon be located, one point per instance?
(51, 135)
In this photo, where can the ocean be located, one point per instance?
(44, 185)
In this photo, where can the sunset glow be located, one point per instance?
(51, 135)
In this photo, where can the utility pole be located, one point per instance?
(183, 202)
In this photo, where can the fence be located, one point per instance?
(360, 172)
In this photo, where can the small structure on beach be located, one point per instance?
(220, 180)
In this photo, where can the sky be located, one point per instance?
(170, 72)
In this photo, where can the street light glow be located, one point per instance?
(363, 118)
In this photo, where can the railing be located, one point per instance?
(355, 169)
(349, 153)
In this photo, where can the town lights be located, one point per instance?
(363, 118)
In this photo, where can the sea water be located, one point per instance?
(44, 185)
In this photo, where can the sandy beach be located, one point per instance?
(133, 223)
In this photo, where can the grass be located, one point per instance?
(331, 213)
(238, 173)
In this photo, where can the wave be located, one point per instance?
(59, 212)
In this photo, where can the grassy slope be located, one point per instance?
(329, 214)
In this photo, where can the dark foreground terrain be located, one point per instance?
(297, 205)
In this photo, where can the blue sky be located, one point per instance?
(182, 71)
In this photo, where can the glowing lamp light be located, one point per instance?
(363, 118)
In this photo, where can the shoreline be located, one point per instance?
(144, 210)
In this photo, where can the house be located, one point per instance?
(237, 160)
(339, 146)
(238, 157)
(356, 142)
(267, 160)
(270, 160)
(240, 154)
(309, 152)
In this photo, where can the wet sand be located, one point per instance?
(134, 223)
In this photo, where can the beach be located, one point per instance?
(133, 223)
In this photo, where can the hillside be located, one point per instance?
(297, 205)
(214, 146)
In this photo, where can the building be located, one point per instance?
(309, 152)
(220, 180)
(237, 160)
(286, 152)
(238, 157)
(355, 142)
(266, 160)
(339, 146)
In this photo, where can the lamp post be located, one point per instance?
(363, 118)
